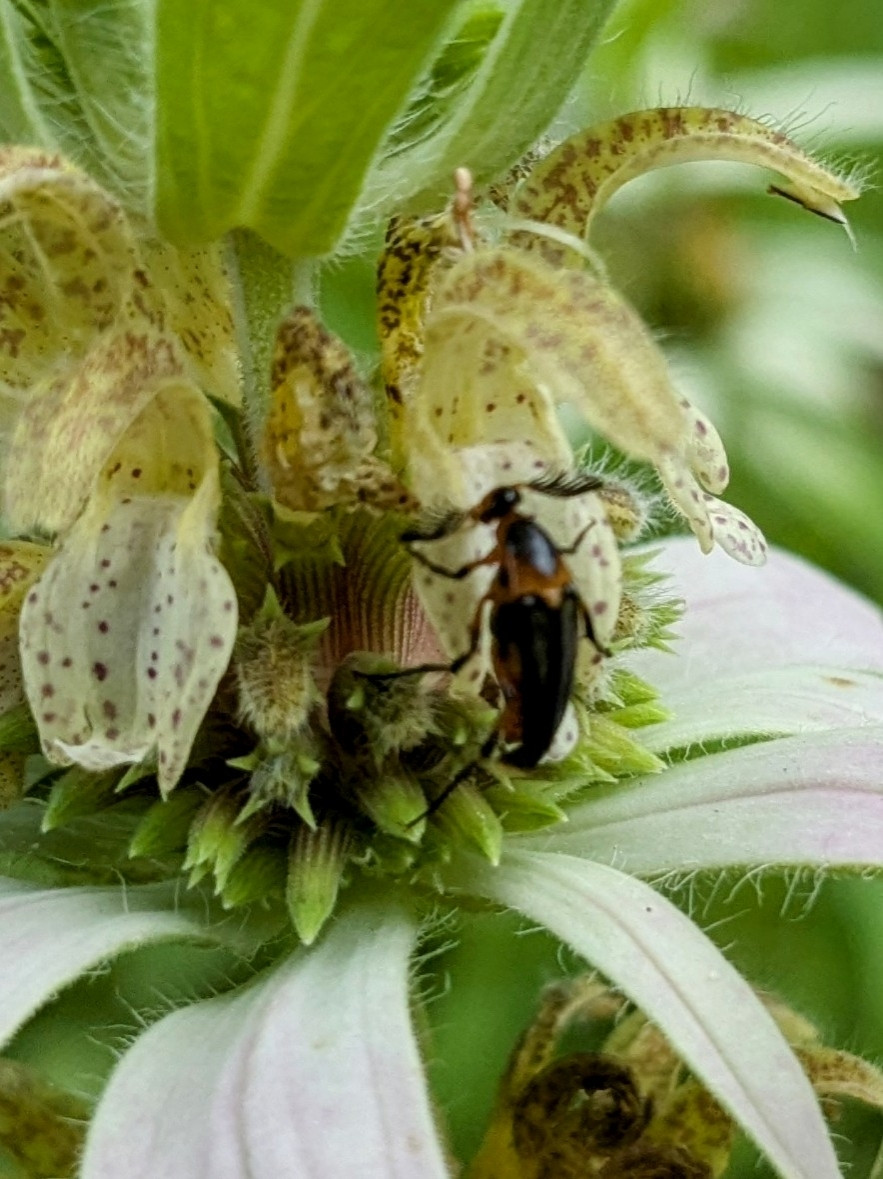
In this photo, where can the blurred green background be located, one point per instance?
(774, 325)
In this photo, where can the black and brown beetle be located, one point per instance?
(537, 618)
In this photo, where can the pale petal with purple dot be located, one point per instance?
(127, 634)
(21, 563)
(64, 438)
(705, 450)
(576, 341)
(196, 295)
(736, 534)
(688, 497)
(452, 605)
(566, 737)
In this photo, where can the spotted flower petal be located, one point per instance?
(68, 261)
(571, 185)
(313, 1070)
(92, 327)
(128, 632)
(566, 337)
(21, 563)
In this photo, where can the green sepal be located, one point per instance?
(316, 864)
(166, 825)
(614, 749)
(137, 773)
(466, 815)
(258, 877)
(18, 732)
(217, 840)
(285, 778)
(396, 803)
(301, 538)
(525, 810)
(77, 793)
(635, 716)
(626, 688)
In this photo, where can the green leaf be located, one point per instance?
(268, 115)
(21, 119)
(77, 81)
(107, 57)
(37, 104)
(529, 67)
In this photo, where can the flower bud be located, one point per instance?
(273, 662)
(396, 803)
(316, 864)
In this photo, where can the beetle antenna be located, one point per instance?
(435, 526)
(564, 484)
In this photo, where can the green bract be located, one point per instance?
(222, 114)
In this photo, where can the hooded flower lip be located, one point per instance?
(518, 327)
(109, 444)
(576, 180)
(338, 1012)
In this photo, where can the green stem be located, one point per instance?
(265, 284)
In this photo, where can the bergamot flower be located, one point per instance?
(208, 741)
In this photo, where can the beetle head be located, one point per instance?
(498, 504)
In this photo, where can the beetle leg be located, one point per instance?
(401, 672)
(453, 574)
(571, 549)
(444, 524)
(587, 616)
(483, 754)
(590, 631)
(423, 668)
(474, 639)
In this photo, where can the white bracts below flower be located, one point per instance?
(313, 1072)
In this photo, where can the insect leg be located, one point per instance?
(435, 527)
(486, 750)
(590, 630)
(453, 574)
(571, 548)
(423, 668)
